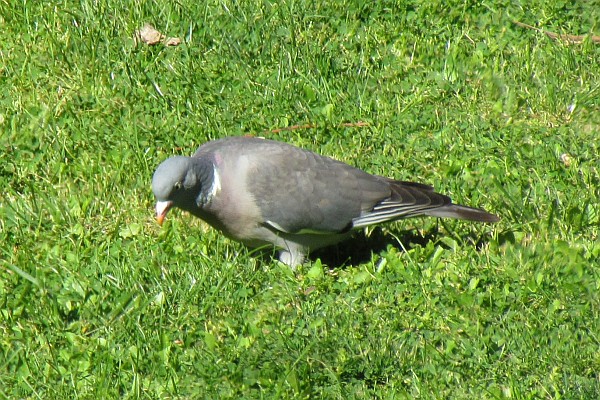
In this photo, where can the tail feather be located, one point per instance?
(414, 199)
(462, 212)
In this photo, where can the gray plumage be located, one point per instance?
(259, 192)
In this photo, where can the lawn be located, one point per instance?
(97, 301)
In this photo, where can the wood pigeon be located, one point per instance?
(261, 192)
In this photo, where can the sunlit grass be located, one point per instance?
(97, 301)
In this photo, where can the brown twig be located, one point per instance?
(292, 128)
(359, 124)
(552, 35)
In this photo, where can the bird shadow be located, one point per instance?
(361, 246)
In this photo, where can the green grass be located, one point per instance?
(97, 301)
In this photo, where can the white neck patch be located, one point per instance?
(216, 185)
(215, 188)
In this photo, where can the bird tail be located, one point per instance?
(462, 212)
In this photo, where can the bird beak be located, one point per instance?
(162, 208)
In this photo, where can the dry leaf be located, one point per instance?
(309, 290)
(150, 36)
(566, 159)
(172, 41)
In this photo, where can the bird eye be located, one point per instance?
(177, 185)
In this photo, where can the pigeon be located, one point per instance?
(264, 192)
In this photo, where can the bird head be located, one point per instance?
(175, 184)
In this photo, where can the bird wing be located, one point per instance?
(408, 199)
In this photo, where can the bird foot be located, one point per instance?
(290, 259)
